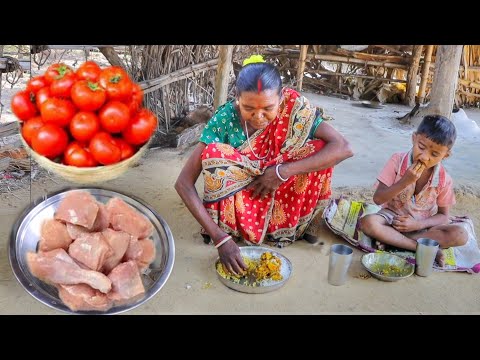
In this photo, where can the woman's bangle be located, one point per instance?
(223, 241)
(278, 173)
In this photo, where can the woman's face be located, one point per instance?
(258, 109)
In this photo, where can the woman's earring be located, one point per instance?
(237, 102)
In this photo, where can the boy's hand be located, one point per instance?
(405, 223)
(414, 172)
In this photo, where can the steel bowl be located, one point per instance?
(373, 104)
(26, 233)
(254, 253)
(387, 267)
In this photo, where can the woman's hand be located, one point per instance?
(231, 258)
(405, 224)
(266, 183)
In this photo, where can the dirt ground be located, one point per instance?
(193, 287)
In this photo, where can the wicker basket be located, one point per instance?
(86, 175)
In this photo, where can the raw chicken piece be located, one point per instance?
(82, 297)
(76, 230)
(91, 250)
(78, 208)
(57, 267)
(102, 220)
(127, 284)
(54, 235)
(118, 241)
(125, 218)
(141, 251)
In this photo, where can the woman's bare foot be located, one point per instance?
(440, 258)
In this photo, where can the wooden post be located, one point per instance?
(301, 66)
(425, 72)
(412, 75)
(447, 63)
(223, 74)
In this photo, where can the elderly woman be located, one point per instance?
(267, 159)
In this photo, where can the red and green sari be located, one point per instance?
(279, 218)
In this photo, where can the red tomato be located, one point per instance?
(57, 111)
(140, 128)
(42, 95)
(50, 140)
(77, 155)
(88, 96)
(23, 105)
(36, 83)
(117, 83)
(135, 103)
(89, 70)
(126, 149)
(104, 149)
(63, 85)
(114, 116)
(57, 71)
(84, 125)
(30, 127)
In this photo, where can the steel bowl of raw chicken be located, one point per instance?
(91, 251)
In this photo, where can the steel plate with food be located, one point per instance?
(91, 251)
(268, 270)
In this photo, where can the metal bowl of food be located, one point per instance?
(387, 267)
(25, 238)
(257, 281)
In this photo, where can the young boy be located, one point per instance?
(416, 192)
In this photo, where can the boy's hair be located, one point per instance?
(438, 129)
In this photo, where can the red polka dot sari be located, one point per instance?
(281, 217)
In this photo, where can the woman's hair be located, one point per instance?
(258, 77)
(438, 129)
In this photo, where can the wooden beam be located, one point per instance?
(7, 129)
(412, 75)
(301, 66)
(223, 75)
(468, 93)
(25, 64)
(157, 83)
(468, 83)
(425, 73)
(331, 73)
(112, 56)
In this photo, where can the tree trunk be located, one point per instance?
(442, 95)
(412, 75)
(445, 81)
(223, 74)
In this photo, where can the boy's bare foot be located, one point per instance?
(440, 258)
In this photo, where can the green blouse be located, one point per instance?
(225, 127)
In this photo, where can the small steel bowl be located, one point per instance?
(26, 233)
(387, 267)
(254, 253)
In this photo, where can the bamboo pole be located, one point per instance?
(301, 66)
(469, 83)
(425, 73)
(331, 73)
(412, 75)
(223, 74)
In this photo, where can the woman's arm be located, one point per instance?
(185, 185)
(335, 150)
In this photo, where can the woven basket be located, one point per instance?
(86, 175)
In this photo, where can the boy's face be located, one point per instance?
(427, 151)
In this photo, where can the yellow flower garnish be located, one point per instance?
(254, 59)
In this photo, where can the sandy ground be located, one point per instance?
(193, 287)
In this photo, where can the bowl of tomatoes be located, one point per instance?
(86, 125)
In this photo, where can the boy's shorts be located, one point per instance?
(389, 215)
